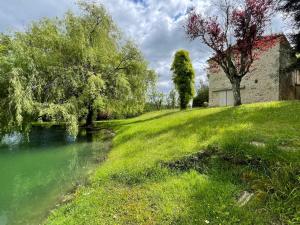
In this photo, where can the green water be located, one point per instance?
(35, 175)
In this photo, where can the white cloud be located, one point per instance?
(155, 25)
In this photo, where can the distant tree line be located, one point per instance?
(158, 100)
(70, 70)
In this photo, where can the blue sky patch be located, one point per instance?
(141, 2)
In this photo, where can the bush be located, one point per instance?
(202, 97)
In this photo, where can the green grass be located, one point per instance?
(135, 185)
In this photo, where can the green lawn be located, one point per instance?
(139, 184)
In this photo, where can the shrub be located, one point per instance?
(202, 96)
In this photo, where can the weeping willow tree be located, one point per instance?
(68, 70)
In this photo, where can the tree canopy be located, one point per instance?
(68, 70)
(245, 23)
(292, 8)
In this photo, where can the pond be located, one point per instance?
(36, 174)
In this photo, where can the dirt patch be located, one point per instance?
(199, 161)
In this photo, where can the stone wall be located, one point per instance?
(260, 85)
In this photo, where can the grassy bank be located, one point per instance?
(191, 167)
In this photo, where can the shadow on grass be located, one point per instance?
(149, 119)
(117, 124)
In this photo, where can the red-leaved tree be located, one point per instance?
(244, 24)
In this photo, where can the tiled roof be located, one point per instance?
(266, 39)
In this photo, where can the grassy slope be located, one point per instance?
(132, 186)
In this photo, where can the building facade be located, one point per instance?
(266, 82)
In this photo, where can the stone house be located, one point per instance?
(268, 80)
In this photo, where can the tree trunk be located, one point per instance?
(183, 105)
(89, 118)
(236, 89)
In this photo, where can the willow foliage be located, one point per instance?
(69, 70)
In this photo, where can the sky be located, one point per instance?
(156, 26)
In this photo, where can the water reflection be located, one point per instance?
(12, 139)
(37, 173)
